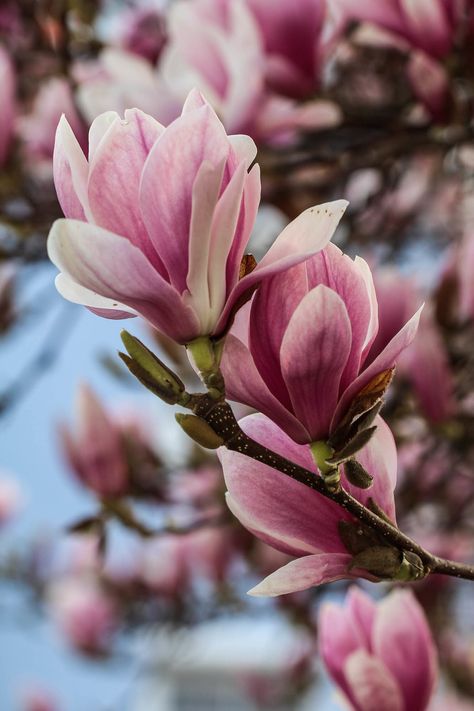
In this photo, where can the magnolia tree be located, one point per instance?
(161, 128)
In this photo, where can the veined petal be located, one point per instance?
(305, 236)
(248, 214)
(361, 611)
(167, 182)
(373, 326)
(70, 172)
(372, 686)
(112, 267)
(114, 179)
(100, 305)
(267, 433)
(204, 199)
(272, 307)
(313, 355)
(385, 360)
(245, 384)
(282, 508)
(303, 573)
(224, 227)
(341, 274)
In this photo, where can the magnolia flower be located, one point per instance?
(7, 102)
(84, 613)
(94, 448)
(10, 498)
(119, 79)
(159, 219)
(37, 129)
(381, 655)
(292, 517)
(294, 42)
(217, 47)
(139, 28)
(429, 25)
(299, 354)
(35, 698)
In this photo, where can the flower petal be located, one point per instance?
(372, 686)
(282, 508)
(100, 305)
(114, 179)
(402, 640)
(305, 236)
(303, 573)
(112, 267)
(244, 384)
(313, 355)
(70, 172)
(385, 360)
(167, 182)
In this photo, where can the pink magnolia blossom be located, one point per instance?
(10, 498)
(38, 128)
(425, 361)
(7, 102)
(159, 220)
(119, 79)
(301, 354)
(429, 25)
(84, 613)
(294, 39)
(217, 47)
(292, 517)
(35, 698)
(381, 655)
(463, 265)
(139, 28)
(163, 565)
(94, 447)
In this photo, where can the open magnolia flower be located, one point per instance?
(296, 519)
(159, 219)
(299, 354)
(381, 655)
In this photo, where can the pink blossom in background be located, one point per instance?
(10, 498)
(140, 28)
(7, 102)
(292, 517)
(217, 48)
(85, 615)
(117, 80)
(463, 267)
(35, 698)
(293, 39)
(94, 448)
(300, 353)
(425, 362)
(37, 129)
(159, 220)
(380, 655)
(429, 25)
(163, 565)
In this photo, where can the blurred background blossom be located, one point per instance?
(123, 573)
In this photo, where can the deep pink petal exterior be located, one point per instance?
(288, 515)
(402, 639)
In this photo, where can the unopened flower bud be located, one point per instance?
(357, 475)
(150, 371)
(199, 430)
